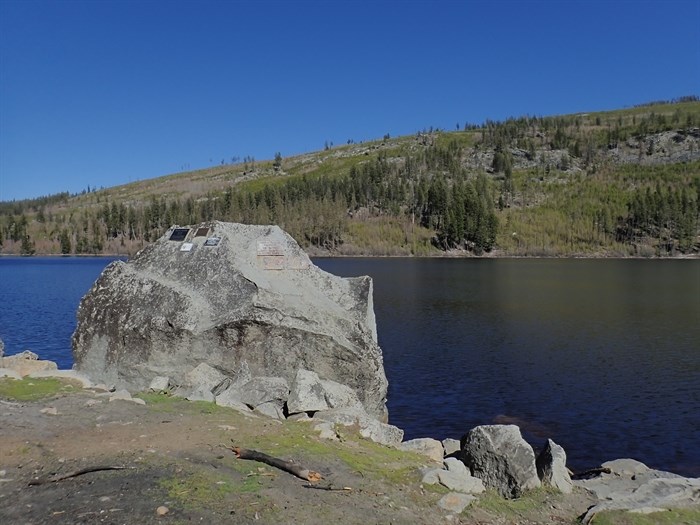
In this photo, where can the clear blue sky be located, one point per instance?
(104, 92)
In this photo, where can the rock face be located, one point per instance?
(232, 296)
(501, 458)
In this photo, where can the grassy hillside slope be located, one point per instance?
(619, 183)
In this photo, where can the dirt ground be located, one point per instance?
(169, 461)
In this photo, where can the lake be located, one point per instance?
(602, 356)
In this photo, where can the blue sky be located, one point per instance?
(101, 93)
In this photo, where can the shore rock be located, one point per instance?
(633, 486)
(458, 478)
(2, 347)
(229, 295)
(429, 447)
(369, 427)
(26, 362)
(310, 393)
(451, 446)
(551, 467)
(501, 458)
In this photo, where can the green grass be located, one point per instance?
(29, 389)
(530, 502)
(667, 517)
(198, 490)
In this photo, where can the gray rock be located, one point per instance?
(369, 427)
(626, 476)
(455, 502)
(326, 430)
(2, 348)
(458, 478)
(254, 297)
(430, 476)
(626, 467)
(28, 355)
(26, 362)
(551, 467)
(310, 393)
(72, 375)
(124, 395)
(229, 399)
(264, 390)
(270, 409)
(456, 482)
(204, 377)
(429, 447)
(501, 458)
(159, 384)
(201, 393)
(451, 446)
(652, 496)
(9, 372)
(456, 466)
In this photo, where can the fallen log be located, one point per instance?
(287, 466)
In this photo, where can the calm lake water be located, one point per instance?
(602, 356)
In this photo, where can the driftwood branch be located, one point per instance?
(296, 470)
(73, 474)
(329, 487)
(586, 474)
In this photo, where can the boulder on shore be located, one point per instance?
(501, 458)
(551, 467)
(232, 296)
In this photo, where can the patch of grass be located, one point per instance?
(666, 517)
(33, 389)
(363, 456)
(530, 502)
(197, 490)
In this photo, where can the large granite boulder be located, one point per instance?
(233, 296)
(501, 458)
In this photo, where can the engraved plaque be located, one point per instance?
(186, 247)
(202, 232)
(212, 241)
(270, 248)
(273, 262)
(179, 234)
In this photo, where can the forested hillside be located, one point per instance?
(621, 183)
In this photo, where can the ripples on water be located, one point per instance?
(602, 356)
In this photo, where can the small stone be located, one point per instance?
(455, 502)
(50, 411)
(162, 510)
(431, 476)
(451, 446)
(159, 384)
(429, 447)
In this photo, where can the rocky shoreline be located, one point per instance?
(491, 457)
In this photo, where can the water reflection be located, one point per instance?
(603, 354)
